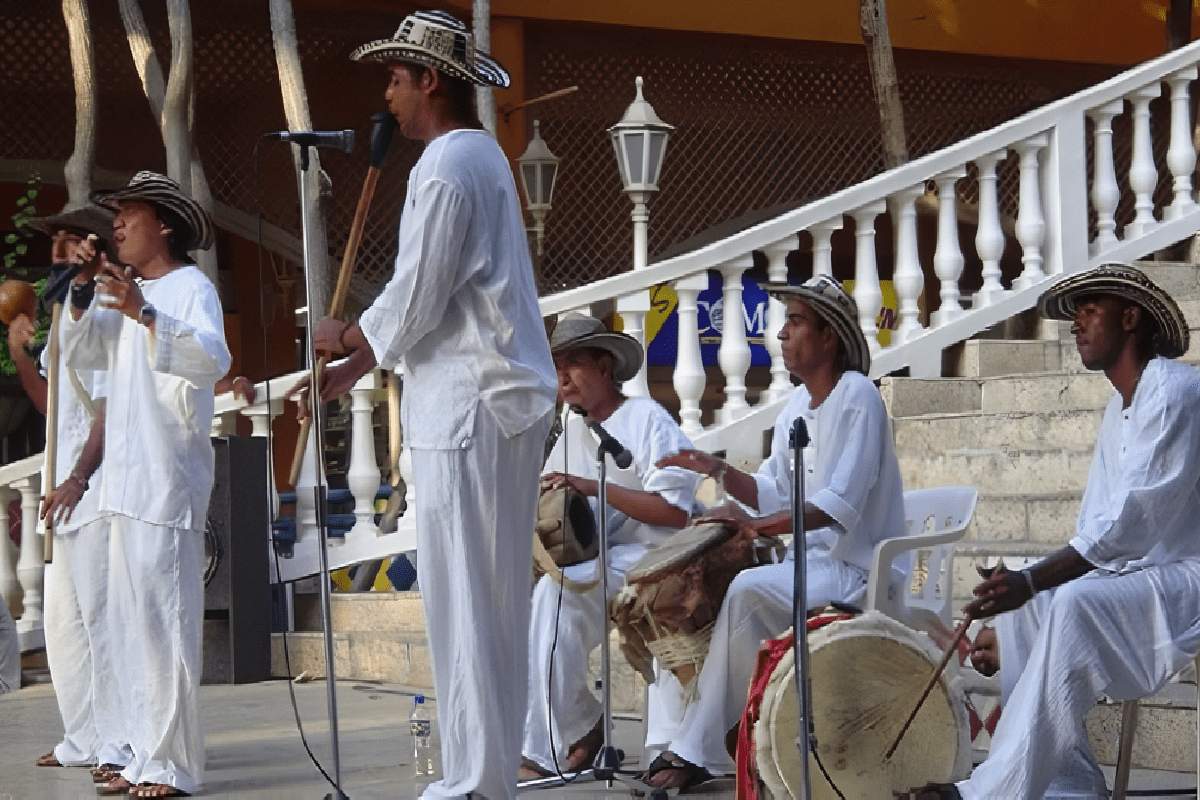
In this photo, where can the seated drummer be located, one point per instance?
(647, 503)
(853, 500)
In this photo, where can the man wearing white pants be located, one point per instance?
(853, 500)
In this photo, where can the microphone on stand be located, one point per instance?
(342, 140)
(621, 457)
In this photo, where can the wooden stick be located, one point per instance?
(50, 460)
(937, 673)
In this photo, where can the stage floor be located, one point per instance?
(254, 750)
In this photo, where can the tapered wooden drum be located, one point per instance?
(867, 673)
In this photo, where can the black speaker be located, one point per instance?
(237, 596)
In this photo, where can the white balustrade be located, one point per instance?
(907, 277)
(1031, 222)
(1143, 175)
(633, 309)
(689, 377)
(867, 294)
(734, 353)
(822, 235)
(989, 235)
(1181, 154)
(781, 382)
(362, 475)
(31, 566)
(1106, 194)
(948, 260)
(10, 589)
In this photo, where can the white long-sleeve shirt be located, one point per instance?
(850, 465)
(158, 460)
(461, 308)
(1142, 502)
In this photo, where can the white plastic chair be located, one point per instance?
(918, 594)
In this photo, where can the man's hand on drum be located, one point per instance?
(730, 512)
(692, 460)
(1000, 591)
(557, 480)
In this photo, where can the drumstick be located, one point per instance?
(381, 140)
(937, 673)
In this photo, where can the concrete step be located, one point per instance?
(914, 397)
(979, 358)
(1013, 431)
(1013, 471)
(1166, 731)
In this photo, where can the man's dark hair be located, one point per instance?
(179, 237)
(460, 94)
(841, 362)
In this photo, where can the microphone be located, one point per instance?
(608, 444)
(798, 436)
(342, 140)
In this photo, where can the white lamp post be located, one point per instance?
(539, 167)
(640, 142)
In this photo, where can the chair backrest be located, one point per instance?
(917, 593)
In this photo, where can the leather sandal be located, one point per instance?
(48, 760)
(117, 785)
(106, 772)
(683, 774)
(156, 790)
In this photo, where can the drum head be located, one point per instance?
(867, 674)
(679, 549)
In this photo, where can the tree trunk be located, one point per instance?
(78, 170)
(485, 98)
(873, 22)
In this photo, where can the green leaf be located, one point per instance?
(10, 238)
(22, 249)
(22, 201)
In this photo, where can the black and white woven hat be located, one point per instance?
(1060, 301)
(439, 40)
(837, 307)
(577, 330)
(157, 189)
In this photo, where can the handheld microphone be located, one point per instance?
(621, 457)
(798, 436)
(342, 140)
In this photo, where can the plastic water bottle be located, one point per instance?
(420, 726)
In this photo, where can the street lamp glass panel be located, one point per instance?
(547, 183)
(529, 179)
(654, 161)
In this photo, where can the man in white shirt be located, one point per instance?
(646, 504)
(156, 328)
(1116, 611)
(854, 500)
(461, 315)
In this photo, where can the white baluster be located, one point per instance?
(223, 424)
(781, 382)
(31, 566)
(689, 377)
(989, 236)
(1143, 175)
(10, 589)
(867, 294)
(948, 259)
(306, 512)
(362, 476)
(1106, 194)
(822, 235)
(734, 353)
(1181, 155)
(1031, 222)
(633, 309)
(261, 415)
(907, 277)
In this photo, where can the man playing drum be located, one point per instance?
(646, 504)
(854, 499)
(1116, 611)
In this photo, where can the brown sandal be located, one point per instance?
(117, 785)
(106, 772)
(48, 760)
(156, 790)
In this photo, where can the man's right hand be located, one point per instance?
(693, 460)
(730, 512)
(20, 333)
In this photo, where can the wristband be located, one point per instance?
(74, 474)
(1029, 580)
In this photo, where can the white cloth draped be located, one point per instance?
(564, 709)
(1123, 629)
(10, 652)
(852, 475)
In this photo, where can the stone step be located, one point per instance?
(1166, 731)
(1014, 471)
(980, 358)
(1013, 431)
(914, 397)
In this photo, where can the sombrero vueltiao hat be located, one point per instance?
(576, 330)
(159, 190)
(837, 307)
(89, 219)
(439, 40)
(1130, 283)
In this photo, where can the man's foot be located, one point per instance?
(531, 771)
(669, 771)
(48, 760)
(117, 785)
(106, 772)
(931, 791)
(583, 753)
(156, 790)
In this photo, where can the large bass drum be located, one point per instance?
(867, 674)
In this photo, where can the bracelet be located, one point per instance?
(1029, 580)
(74, 474)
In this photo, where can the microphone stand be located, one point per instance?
(319, 489)
(606, 767)
(806, 738)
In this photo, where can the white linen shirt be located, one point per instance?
(461, 308)
(158, 460)
(1142, 503)
(850, 465)
(649, 434)
(73, 428)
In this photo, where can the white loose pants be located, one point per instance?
(79, 648)
(1122, 635)
(475, 515)
(156, 603)
(757, 607)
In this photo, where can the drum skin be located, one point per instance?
(867, 674)
(16, 298)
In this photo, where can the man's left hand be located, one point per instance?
(61, 502)
(1003, 591)
(585, 486)
(730, 512)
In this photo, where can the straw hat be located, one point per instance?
(1130, 283)
(836, 307)
(89, 219)
(575, 330)
(159, 190)
(437, 39)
